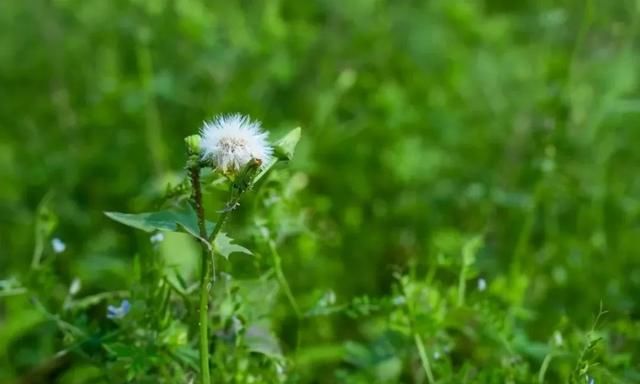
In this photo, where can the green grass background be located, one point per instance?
(424, 123)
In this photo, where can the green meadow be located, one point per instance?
(461, 203)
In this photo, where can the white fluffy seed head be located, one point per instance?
(231, 141)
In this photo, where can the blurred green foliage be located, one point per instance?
(466, 188)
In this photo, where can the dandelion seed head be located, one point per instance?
(231, 141)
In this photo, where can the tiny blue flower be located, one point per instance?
(114, 312)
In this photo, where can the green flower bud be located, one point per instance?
(193, 144)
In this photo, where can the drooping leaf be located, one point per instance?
(169, 220)
(224, 246)
(260, 339)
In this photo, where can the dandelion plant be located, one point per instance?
(236, 148)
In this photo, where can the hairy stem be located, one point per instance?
(216, 229)
(196, 196)
(208, 274)
(204, 319)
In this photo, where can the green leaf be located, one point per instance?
(46, 223)
(283, 150)
(174, 221)
(181, 257)
(22, 322)
(470, 249)
(261, 340)
(259, 296)
(121, 350)
(286, 146)
(188, 356)
(224, 246)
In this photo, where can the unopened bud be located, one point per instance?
(193, 143)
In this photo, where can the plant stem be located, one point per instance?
(205, 377)
(212, 238)
(424, 359)
(153, 129)
(216, 229)
(462, 285)
(422, 352)
(204, 319)
(208, 274)
(282, 279)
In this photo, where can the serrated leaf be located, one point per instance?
(286, 146)
(184, 220)
(224, 246)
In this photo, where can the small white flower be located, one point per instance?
(58, 246)
(156, 238)
(75, 286)
(557, 337)
(231, 141)
(482, 284)
(236, 325)
(329, 298)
